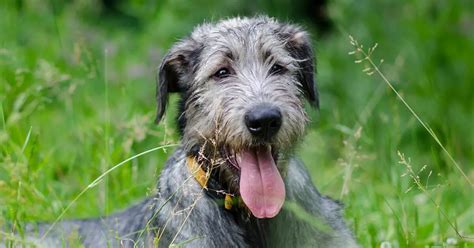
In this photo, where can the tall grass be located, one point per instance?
(374, 68)
(370, 68)
(70, 111)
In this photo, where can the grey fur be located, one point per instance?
(211, 118)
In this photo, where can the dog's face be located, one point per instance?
(243, 83)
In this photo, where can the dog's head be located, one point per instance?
(243, 83)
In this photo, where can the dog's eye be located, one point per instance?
(277, 69)
(222, 73)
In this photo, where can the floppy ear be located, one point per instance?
(299, 46)
(175, 66)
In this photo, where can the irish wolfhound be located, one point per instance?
(234, 180)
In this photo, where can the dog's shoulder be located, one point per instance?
(303, 196)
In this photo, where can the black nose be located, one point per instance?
(263, 121)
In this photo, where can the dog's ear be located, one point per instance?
(176, 65)
(299, 46)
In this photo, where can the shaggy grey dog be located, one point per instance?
(234, 180)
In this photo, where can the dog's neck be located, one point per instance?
(208, 180)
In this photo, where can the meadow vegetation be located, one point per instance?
(77, 98)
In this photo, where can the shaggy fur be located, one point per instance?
(222, 71)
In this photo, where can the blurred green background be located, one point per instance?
(77, 97)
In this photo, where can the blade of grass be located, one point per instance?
(4, 124)
(106, 158)
(27, 139)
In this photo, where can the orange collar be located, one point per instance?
(202, 177)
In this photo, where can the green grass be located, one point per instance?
(77, 98)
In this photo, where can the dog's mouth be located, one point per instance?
(261, 186)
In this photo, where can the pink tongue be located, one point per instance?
(261, 186)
